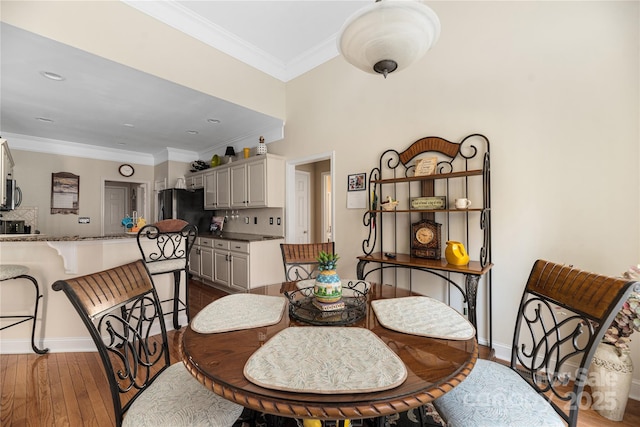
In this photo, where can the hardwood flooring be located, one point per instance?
(70, 389)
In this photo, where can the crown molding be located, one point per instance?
(174, 154)
(74, 149)
(183, 19)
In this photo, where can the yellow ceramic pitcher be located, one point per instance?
(456, 254)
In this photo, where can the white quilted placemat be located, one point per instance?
(325, 360)
(423, 316)
(239, 311)
(359, 285)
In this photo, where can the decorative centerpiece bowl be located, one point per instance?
(327, 287)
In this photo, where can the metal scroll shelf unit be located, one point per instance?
(462, 171)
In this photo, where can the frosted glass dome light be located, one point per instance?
(388, 35)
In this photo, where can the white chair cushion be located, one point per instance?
(166, 266)
(175, 399)
(11, 271)
(494, 395)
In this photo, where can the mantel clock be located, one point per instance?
(425, 239)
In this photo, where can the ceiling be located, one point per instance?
(113, 107)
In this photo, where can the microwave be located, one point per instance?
(13, 196)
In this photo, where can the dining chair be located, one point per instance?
(562, 317)
(144, 385)
(299, 259)
(165, 248)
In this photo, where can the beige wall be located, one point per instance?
(559, 103)
(33, 173)
(553, 85)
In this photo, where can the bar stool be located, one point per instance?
(165, 248)
(8, 272)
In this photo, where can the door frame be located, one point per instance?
(146, 201)
(290, 178)
(326, 220)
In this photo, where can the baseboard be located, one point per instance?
(70, 345)
(503, 353)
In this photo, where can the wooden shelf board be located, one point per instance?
(427, 210)
(460, 174)
(473, 267)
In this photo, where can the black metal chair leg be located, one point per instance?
(35, 315)
(176, 298)
(186, 295)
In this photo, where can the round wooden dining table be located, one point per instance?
(434, 366)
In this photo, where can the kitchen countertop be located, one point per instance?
(245, 237)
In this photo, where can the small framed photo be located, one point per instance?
(426, 166)
(357, 182)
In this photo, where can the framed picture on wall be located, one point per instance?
(65, 190)
(357, 182)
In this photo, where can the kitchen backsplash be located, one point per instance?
(259, 221)
(27, 214)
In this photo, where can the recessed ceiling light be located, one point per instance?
(213, 121)
(44, 120)
(192, 132)
(128, 125)
(52, 76)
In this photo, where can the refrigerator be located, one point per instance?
(176, 203)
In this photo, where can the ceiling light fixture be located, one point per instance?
(44, 120)
(213, 121)
(192, 132)
(388, 35)
(52, 76)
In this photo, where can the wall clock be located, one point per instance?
(425, 239)
(126, 170)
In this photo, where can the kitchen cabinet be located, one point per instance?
(231, 259)
(216, 189)
(236, 266)
(195, 181)
(258, 183)
(6, 169)
(222, 274)
(201, 258)
(194, 258)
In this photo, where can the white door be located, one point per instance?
(302, 207)
(115, 208)
(327, 227)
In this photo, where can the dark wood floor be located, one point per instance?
(70, 389)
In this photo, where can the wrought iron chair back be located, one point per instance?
(132, 359)
(563, 316)
(172, 240)
(299, 259)
(165, 248)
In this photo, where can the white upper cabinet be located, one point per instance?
(257, 182)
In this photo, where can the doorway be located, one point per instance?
(320, 204)
(119, 199)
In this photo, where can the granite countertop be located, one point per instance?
(245, 237)
(49, 238)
